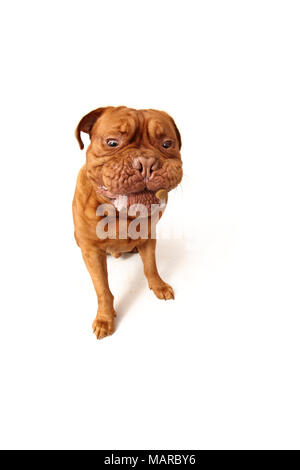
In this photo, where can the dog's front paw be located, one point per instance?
(103, 327)
(163, 291)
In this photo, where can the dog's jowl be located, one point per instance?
(132, 163)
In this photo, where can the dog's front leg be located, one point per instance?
(161, 289)
(96, 264)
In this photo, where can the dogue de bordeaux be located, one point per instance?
(133, 159)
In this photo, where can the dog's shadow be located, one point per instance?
(170, 254)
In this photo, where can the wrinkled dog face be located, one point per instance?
(132, 153)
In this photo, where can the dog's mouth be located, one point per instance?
(146, 198)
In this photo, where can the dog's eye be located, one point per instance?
(167, 144)
(112, 142)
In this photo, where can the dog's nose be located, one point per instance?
(146, 165)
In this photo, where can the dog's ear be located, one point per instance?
(86, 124)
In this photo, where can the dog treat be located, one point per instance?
(161, 194)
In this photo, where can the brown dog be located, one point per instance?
(132, 153)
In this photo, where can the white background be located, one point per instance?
(219, 366)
